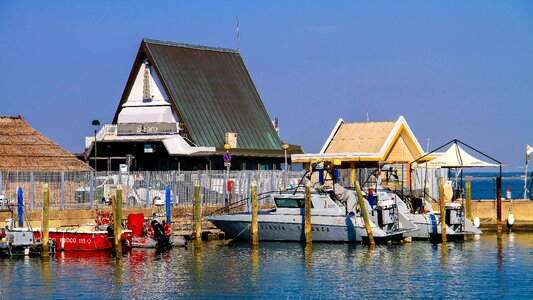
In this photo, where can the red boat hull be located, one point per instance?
(81, 241)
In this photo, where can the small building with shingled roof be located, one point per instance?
(368, 145)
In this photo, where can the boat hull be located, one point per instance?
(79, 241)
(291, 228)
(429, 227)
(146, 242)
(21, 250)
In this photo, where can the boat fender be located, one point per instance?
(510, 220)
(167, 229)
(477, 222)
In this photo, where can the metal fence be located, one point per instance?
(89, 190)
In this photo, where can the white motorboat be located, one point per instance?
(420, 212)
(334, 218)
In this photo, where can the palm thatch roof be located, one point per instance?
(22, 148)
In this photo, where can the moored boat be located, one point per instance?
(421, 213)
(145, 233)
(19, 243)
(334, 218)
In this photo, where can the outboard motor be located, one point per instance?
(455, 217)
(387, 215)
(163, 241)
(111, 238)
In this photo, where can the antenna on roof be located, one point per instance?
(238, 42)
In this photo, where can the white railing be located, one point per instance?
(107, 129)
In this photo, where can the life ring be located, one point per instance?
(167, 229)
(150, 232)
(106, 220)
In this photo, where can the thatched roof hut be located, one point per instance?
(22, 148)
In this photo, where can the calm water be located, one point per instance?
(472, 269)
(484, 184)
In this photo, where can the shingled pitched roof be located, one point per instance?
(211, 92)
(22, 148)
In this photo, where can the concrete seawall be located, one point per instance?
(486, 211)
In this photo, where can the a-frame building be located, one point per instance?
(182, 107)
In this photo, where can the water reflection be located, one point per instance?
(472, 269)
(255, 261)
(308, 250)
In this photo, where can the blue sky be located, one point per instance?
(453, 69)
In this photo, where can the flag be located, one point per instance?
(528, 152)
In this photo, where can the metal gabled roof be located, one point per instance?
(211, 92)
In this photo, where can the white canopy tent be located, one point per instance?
(456, 157)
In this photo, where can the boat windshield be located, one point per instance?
(290, 202)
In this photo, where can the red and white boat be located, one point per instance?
(142, 233)
(87, 237)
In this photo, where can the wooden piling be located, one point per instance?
(468, 202)
(45, 221)
(442, 204)
(499, 202)
(117, 220)
(364, 213)
(307, 213)
(197, 212)
(254, 230)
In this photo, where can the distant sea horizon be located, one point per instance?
(484, 184)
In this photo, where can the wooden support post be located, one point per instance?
(442, 204)
(364, 213)
(352, 171)
(117, 220)
(468, 203)
(45, 220)
(307, 221)
(499, 202)
(197, 212)
(255, 210)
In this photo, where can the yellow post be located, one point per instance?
(117, 220)
(45, 221)
(352, 171)
(307, 213)
(442, 209)
(468, 202)
(255, 210)
(364, 213)
(197, 212)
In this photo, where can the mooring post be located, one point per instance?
(117, 220)
(197, 212)
(167, 204)
(307, 222)
(255, 210)
(442, 204)
(44, 220)
(499, 202)
(364, 213)
(468, 203)
(20, 206)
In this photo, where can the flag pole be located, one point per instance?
(529, 150)
(525, 177)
